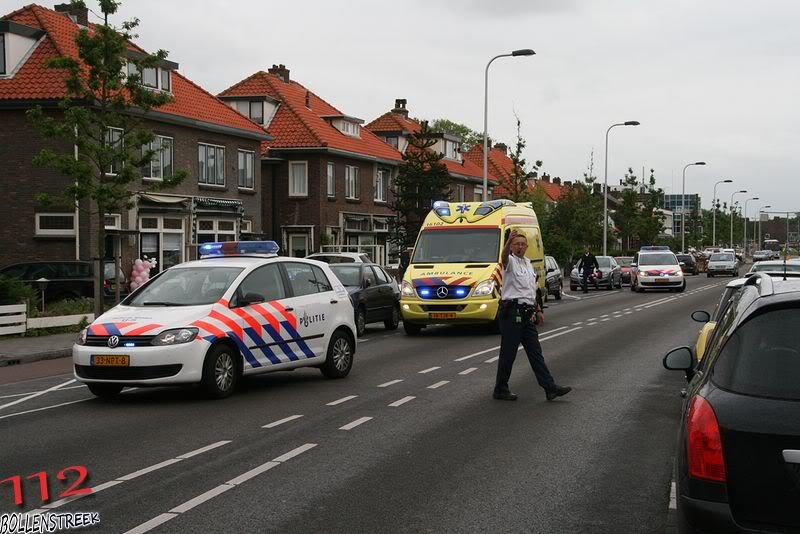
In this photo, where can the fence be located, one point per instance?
(14, 320)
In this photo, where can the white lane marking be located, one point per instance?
(468, 371)
(38, 393)
(343, 399)
(281, 421)
(660, 303)
(571, 296)
(32, 392)
(294, 452)
(244, 477)
(606, 315)
(476, 354)
(592, 319)
(200, 499)
(424, 371)
(578, 323)
(438, 384)
(606, 319)
(106, 485)
(153, 523)
(628, 312)
(673, 496)
(150, 469)
(492, 360)
(627, 309)
(203, 449)
(591, 324)
(560, 333)
(45, 408)
(402, 401)
(390, 383)
(353, 424)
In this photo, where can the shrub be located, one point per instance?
(14, 291)
(66, 307)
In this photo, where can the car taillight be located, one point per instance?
(704, 443)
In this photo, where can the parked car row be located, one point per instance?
(63, 280)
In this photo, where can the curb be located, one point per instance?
(6, 361)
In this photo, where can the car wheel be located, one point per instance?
(339, 360)
(220, 371)
(558, 291)
(361, 321)
(412, 329)
(682, 288)
(106, 391)
(394, 322)
(709, 275)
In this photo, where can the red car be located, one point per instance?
(625, 264)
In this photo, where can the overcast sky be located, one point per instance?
(712, 80)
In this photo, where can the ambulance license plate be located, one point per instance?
(442, 315)
(116, 360)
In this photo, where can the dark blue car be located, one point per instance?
(375, 294)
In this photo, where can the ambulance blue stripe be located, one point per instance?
(261, 345)
(297, 339)
(245, 351)
(112, 329)
(281, 342)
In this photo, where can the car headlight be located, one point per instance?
(175, 336)
(406, 289)
(484, 289)
(679, 272)
(82, 335)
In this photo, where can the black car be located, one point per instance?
(554, 281)
(688, 263)
(68, 279)
(738, 460)
(375, 294)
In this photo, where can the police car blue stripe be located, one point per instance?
(282, 343)
(262, 345)
(112, 329)
(251, 359)
(297, 339)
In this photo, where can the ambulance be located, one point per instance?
(455, 276)
(239, 310)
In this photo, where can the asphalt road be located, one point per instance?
(411, 441)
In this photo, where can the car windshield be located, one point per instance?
(348, 275)
(189, 286)
(658, 259)
(684, 258)
(333, 259)
(624, 262)
(722, 257)
(458, 246)
(762, 357)
(604, 262)
(776, 268)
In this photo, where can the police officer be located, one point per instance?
(519, 314)
(588, 263)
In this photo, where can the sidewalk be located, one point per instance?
(19, 350)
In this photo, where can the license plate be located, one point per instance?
(442, 315)
(662, 280)
(116, 360)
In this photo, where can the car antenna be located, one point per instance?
(785, 254)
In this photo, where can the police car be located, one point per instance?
(239, 310)
(656, 267)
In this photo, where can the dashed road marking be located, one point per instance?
(430, 369)
(402, 401)
(343, 399)
(438, 384)
(357, 422)
(390, 383)
(468, 371)
(282, 421)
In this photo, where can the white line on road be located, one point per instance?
(45, 408)
(37, 394)
(32, 392)
(424, 371)
(571, 296)
(628, 312)
(281, 421)
(343, 399)
(673, 497)
(294, 452)
(253, 472)
(402, 401)
(578, 323)
(438, 384)
(492, 360)
(560, 333)
(390, 383)
(352, 425)
(591, 324)
(468, 371)
(200, 499)
(156, 467)
(606, 319)
(476, 354)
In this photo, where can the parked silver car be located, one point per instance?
(723, 263)
(608, 276)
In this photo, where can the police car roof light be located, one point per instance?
(441, 204)
(654, 247)
(238, 248)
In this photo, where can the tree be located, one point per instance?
(468, 136)
(422, 179)
(102, 116)
(627, 214)
(519, 183)
(651, 221)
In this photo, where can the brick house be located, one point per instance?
(219, 200)
(466, 178)
(326, 177)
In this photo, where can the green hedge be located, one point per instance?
(14, 291)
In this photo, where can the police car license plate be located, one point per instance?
(116, 360)
(442, 315)
(662, 280)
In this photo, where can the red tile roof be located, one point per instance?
(501, 166)
(553, 191)
(297, 126)
(35, 81)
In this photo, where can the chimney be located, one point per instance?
(557, 181)
(566, 184)
(546, 178)
(308, 99)
(78, 15)
(501, 146)
(400, 107)
(280, 71)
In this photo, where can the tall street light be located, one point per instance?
(515, 53)
(683, 205)
(605, 186)
(714, 212)
(759, 224)
(731, 208)
(745, 225)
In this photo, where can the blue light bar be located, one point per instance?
(461, 292)
(441, 204)
(424, 292)
(654, 247)
(238, 248)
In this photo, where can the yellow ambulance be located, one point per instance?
(454, 276)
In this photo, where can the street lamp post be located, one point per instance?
(759, 224)
(683, 205)
(745, 225)
(521, 52)
(714, 213)
(605, 185)
(731, 208)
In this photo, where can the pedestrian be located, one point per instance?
(519, 315)
(587, 266)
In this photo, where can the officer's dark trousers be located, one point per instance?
(585, 281)
(514, 333)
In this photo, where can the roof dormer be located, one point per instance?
(157, 77)
(449, 145)
(344, 123)
(260, 109)
(16, 44)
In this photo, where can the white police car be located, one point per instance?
(656, 267)
(239, 310)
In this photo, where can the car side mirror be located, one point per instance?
(680, 359)
(682, 264)
(551, 270)
(701, 316)
(252, 298)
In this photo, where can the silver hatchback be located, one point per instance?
(723, 263)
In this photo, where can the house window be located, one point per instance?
(461, 195)
(351, 128)
(452, 150)
(246, 169)
(477, 195)
(161, 238)
(114, 140)
(212, 164)
(393, 141)
(246, 226)
(55, 224)
(161, 163)
(298, 245)
(382, 185)
(150, 77)
(257, 112)
(331, 180)
(166, 80)
(2, 53)
(215, 230)
(352, 186)
(298, 179)
(113, 221)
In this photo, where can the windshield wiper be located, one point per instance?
(155, 303)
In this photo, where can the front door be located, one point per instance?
(310, 302)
